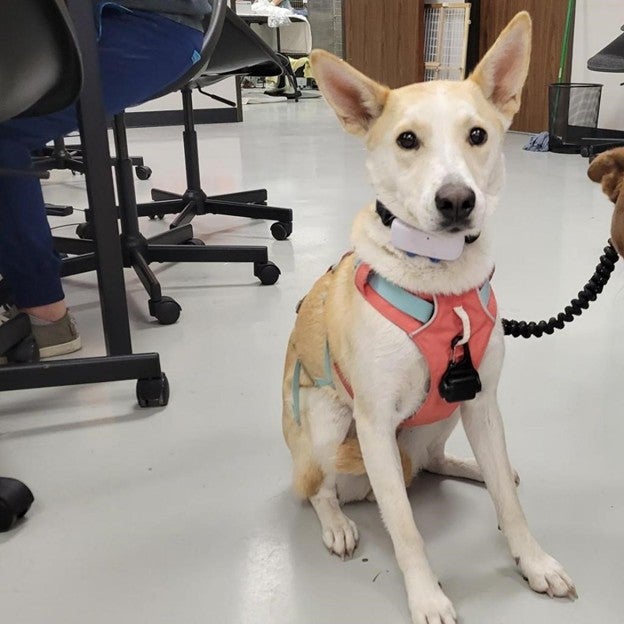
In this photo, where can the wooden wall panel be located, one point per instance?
(548, 27)
(385, 39)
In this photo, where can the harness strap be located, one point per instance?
(327, 380)
(412, 305)
(296, 408)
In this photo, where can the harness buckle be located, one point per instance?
(461, 381)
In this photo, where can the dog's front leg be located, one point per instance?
(484, 428)
(427, 602)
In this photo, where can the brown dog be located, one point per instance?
(608, 169)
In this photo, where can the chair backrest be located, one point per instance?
(213, 26)
(40, 66)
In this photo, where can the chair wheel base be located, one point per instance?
(281, 230)
(143, 172)
(15, 501)
(267, 272)
(153, 392)
(84, 231)
(166, 310)
(24, 352)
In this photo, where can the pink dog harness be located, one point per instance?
(438, 328)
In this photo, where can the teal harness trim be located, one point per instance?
(402, 299)
(410, 304)
(484, 293)
(328, 380)
(295, 393)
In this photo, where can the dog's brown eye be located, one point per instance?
(477, 136)
(408, 140)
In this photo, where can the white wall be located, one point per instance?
(598, 23)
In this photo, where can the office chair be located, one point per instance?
(611, 60)
(69, 157)
(54, 72)
(37, 80)
(178, 244)
(239, 52)
(42, 93)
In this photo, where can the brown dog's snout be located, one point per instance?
(455, 202)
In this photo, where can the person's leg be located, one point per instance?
(140, 54)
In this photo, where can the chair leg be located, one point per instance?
(186, 215)
(177, 236)
(265, 270)
(251, 211)
(257, 196)
(160, 195)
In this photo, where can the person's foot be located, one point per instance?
(53, 338)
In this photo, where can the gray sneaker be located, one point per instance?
(57, 338)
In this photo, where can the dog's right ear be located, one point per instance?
(503, 70)
(608, 169)
(357, 100)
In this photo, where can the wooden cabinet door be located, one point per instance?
(548, 26)
(384, 39)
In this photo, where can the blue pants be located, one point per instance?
(140, 54)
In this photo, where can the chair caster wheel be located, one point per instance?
(15, 501)
(267, 272)
(197, 242)
(143, 172)
(84, 231)
(25, 351)
(153, 392)
(281, 230)
(166, 310)
(160, 216)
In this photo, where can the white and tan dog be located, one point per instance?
(434, 153)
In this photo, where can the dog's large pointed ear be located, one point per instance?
(357, 100)
(502, 72)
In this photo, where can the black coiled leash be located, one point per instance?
(589, 293)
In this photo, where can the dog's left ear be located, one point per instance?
(608, 169)
(502, 72)
(356, 99)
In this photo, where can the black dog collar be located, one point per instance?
(387, 218)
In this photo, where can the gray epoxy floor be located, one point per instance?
(183, 514)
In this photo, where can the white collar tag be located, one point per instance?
(434, 245)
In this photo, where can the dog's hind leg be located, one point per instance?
(439, 462)
(325, 422)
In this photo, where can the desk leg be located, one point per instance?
(100, 191)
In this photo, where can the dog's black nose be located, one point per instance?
(455, 201)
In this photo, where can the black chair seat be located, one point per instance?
(610, 59)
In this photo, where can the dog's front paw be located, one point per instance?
(546, 575)
(341, 536)
(432, 608)
(428, 603)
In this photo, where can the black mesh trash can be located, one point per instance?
(573, 110)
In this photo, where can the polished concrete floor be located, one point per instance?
(184, 515)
